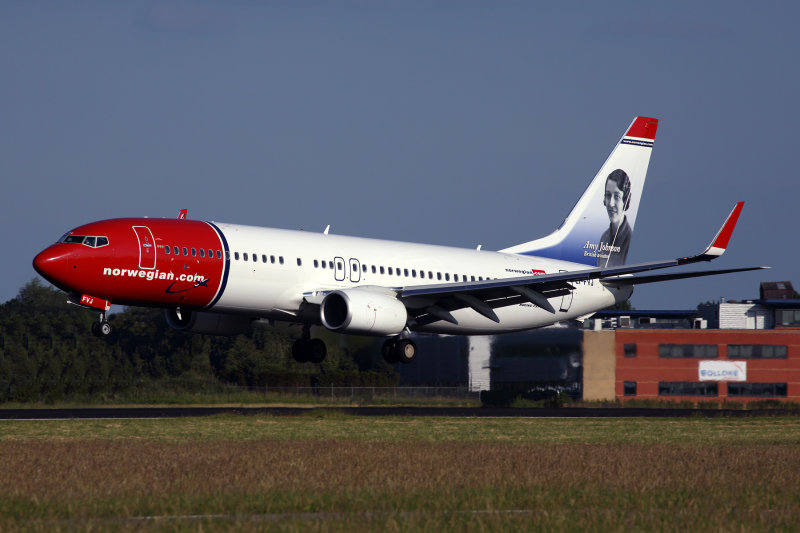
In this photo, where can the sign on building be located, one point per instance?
(723, 370)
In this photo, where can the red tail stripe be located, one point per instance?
(644, 128)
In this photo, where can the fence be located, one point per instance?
(370, 393)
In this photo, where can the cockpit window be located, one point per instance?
(92, 242)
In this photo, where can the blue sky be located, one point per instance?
(455, 123)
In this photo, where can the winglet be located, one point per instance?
(720, 242)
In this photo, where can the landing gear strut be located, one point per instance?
(308, 350)
(101, 328)
(399, 350)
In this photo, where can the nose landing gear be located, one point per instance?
(101, 328)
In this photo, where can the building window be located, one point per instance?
(756, 351)
(687, 388)
(758, 390)
(787, 318)
(699, 351)
(630, 351)
(629, 388)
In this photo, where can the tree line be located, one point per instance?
(48, 353)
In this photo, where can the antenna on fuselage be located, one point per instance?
(182, 214)
(327, 228)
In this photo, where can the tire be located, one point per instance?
(406, 351)
(104, 329)
(300, 350)
(389, 352)
(316, 351)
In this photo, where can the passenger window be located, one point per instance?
(413, 273)
(430, 274)
(263, 258)
(390, 271)
(210, 253)
(244, 256)
(202, 253)
(175, 250)
(382, 271)
(447, 277)
(473, 278)
(330, 265)
(280, 259)
(236, 255)
(185, 251)
(194, 252)
(405, 272)
(272, 259)
(299, 262)
(364, 268)
(374, 269)
(219, 254)
(316, 263)
(455, 277)
(166, 250)
(324, 264)
(439, 276)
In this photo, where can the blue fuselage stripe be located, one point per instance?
(226, 258)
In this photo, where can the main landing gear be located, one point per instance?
(308, 350)
(101, 328)
(399, 350)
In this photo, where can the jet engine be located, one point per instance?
(363, 312)
(207, 323)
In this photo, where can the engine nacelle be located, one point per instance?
(207, 323)
(363, 312)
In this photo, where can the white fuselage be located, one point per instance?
(272, 270)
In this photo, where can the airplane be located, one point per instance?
(217, 278)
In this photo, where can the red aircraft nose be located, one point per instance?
(53, 264)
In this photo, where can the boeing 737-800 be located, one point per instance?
(216, 278)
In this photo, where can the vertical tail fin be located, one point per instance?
(598, 231)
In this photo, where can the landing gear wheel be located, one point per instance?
(316, 350)
(309, 350)
(101, 329)
(406, 351)
(300, 350)
(388, 351)
(399, 351)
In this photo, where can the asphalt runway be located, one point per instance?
(114, 413)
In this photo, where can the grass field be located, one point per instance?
(331, 472)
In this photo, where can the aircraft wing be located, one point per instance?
(431, 303)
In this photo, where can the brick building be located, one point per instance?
(696, 365)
